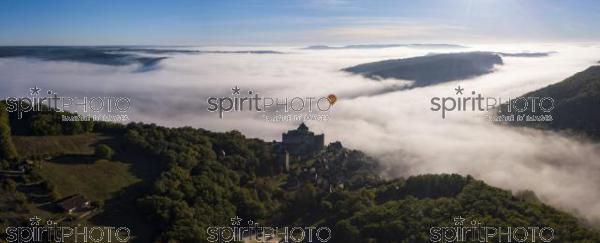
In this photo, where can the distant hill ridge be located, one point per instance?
(376, 46)
(109, 55)
(431, 69)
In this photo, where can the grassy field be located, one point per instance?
(73, 169)
(96, 181)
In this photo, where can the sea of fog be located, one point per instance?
(397, 127)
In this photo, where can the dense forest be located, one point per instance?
(208, 178)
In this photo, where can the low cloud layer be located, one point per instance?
(398, 127)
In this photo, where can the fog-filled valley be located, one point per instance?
(384, 118)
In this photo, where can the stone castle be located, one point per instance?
(298, 144)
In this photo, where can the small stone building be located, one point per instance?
(73, 203)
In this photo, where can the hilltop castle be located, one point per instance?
(298, 144)
(301, 142)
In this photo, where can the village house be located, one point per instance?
(73, 203)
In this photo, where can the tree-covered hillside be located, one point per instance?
(576, 104)
(7, 148)
(207, 178)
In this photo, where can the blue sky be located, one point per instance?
(249, 22)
